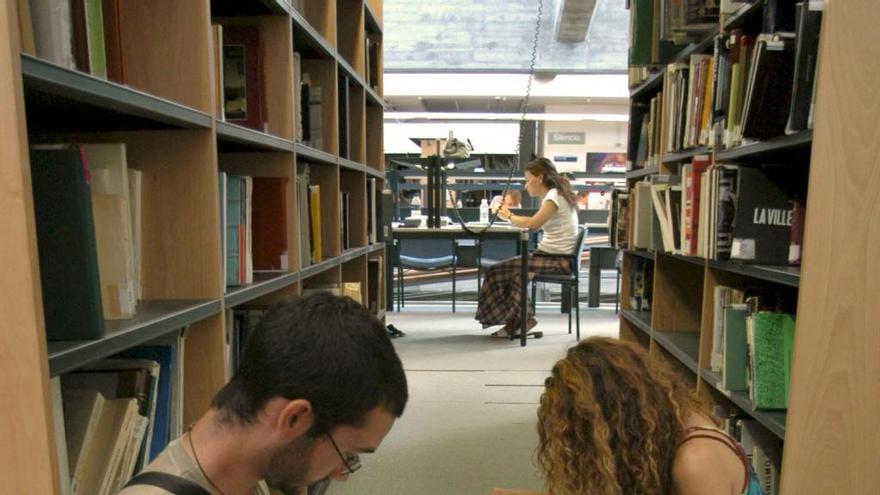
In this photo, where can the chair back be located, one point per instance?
(578, 249)
(425, 248)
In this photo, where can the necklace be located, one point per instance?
(199, 464)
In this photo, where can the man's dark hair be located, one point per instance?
(323, 348)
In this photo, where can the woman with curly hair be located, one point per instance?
(613, 421)
(499, 300)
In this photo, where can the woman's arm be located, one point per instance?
(534, 222)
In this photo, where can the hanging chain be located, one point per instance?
(493, 215)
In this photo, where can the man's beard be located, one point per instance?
(289, 466)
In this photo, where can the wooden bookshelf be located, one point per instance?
(163, 112)
(829, 432)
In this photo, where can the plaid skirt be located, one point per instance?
(499, 301)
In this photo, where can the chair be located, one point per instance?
(424, 255)
(483, 253)
(570, 282)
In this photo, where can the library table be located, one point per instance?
(454, 232)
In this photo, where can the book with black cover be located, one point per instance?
(66, 243)
(726, 210)
(768, 99)
(778, 16)
(809, 23)
(762, 223)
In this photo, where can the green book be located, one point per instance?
(642, 32)
(95, 29)
(770, 341)
(66, 243)
(734, 358)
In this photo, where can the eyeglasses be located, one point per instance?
(352, 462)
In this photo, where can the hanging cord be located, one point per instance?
(493, 215)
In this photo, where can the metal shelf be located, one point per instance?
(304, 32)
(352, 165)
(684, 155)
(318, 268)
(643, 172)
(763, 148)
(372, 22)
(694, 260)
(315, 155)
(57, 96)
(774, 421)
(243, 138)
(784, 275)
(695, 48)
(650, 84)
(641, 253)
(743, 14)
(350, 254)
(685, 346)
(264, 283)
(641, 319)
(154, 319)
(372, 96)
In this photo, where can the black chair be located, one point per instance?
(424, 255)
(570, 282)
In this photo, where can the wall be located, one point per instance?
(599, 136)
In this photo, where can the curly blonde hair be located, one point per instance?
(610, 421)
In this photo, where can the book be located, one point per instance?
(342, 124)
(83, 410)
(643, 213)
(734, 359)
(113, 229)
(372, 213)
(353, 290)
(61, 448)
(166, 357)
(305, 233)
(809, 24)
(297, 97)
(114, 256)
(768, 96)
(61, 183)
(53, 31)
(270, 223)
(234, 207)
(798, 217)
(315, 221)
(135, 196)
(113, 45)
(725, 210)
(761, 229)
(219, 85)
(771, 339)
(243, 84)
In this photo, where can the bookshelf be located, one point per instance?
(828, 430)
(171, 114)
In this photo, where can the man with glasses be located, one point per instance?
(319, 384)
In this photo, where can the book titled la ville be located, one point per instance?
(762, 223)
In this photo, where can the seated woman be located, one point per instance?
(613, 420)
(499, 301)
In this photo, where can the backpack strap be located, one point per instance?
(168, 482)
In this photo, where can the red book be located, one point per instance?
(243, 91)
(269, 205)
(692, 203)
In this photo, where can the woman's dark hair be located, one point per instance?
(553, 179)
(323, 348)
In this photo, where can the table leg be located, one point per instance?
(524, 273)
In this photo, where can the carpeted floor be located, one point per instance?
(470, 422)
